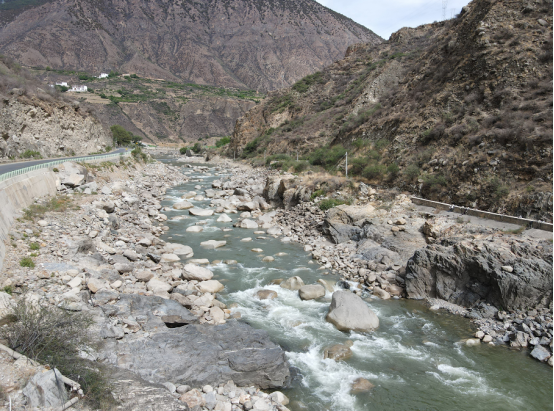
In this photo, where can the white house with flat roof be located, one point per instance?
(103, 75)
(79, 89)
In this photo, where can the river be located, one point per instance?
(416, 359)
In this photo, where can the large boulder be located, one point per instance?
(183, 205)
(184, 251)
(201, 212)
(344, 223)
(348, 312)
(311, 292)
(195, 272)
(45, 390)
(199, 355)
(467, 272)
(72, 174)
(292, 283)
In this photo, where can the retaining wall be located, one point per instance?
(19, 192)
(485, 214)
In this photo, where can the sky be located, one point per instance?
(384, 17)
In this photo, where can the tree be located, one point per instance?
(135, 138)
(197, 148)
(121, 137)
(183, 150)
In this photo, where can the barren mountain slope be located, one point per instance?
(459, 111)
(260, 44)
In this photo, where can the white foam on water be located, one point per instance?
(329, 380)
(374, 346)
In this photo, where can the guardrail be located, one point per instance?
(541, 225)
(53, 163)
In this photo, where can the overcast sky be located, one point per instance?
(384, 17)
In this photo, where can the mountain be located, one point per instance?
(458, 111)
(256, 44)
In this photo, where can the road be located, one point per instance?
(6, 168)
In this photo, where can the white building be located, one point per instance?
(63, 84)
(79, 89)
(103, 75)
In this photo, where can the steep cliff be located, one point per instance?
(240, 43)
(42, 121)
(459, 111)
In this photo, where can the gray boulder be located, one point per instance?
(468, 272)
(311, 292)
(348, 312)
(46, 389)
(199, 355)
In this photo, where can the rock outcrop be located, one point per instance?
(51, 128)
(198, 355)
(505, 272)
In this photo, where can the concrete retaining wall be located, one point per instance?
(21, 191)
(485, 214)
(18, 193)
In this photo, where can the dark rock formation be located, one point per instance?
(505, 272)
(204, 354)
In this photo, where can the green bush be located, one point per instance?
(121, 137)
(31, 153)
(374, 171)
(34, 246)
(27, 262)
(300, 166)
(411, 172)
(251, 147)
(304, 84)
(223, 141)
(139, 155)
(357, 165)
(317, 193)
(325, 205)
(197, 148)
(183, 150)
(327, 157)
(393, 169)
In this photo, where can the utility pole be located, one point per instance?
(346, 167)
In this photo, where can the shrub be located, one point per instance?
(27, 262)
(55, 170)
(325, 205)
(304, 84)
(317, 193)
(300, 166)
(31, 153)
(223, 141)
(374, 171)
(34, 246)
(56, 336)
(411, 172)
(251, 147)
(183, 150)
(393, 169)
(139, 155)
(327, 157)
(56, 204)
(277, 157)
(197, 148)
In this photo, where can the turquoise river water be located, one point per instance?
(416, 359)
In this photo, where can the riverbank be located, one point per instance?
(154, 258)
(95, 249)
(379, 242)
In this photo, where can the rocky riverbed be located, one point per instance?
(105, 256)
(394, 249)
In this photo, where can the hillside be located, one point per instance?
(458, 111)
(160, 111)
(39, 121)
(261, 45)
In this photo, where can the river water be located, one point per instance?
(416, 359)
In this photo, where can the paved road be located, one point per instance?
(6, 168)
